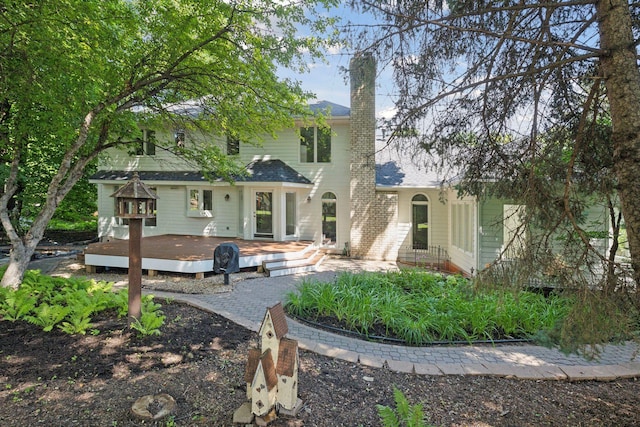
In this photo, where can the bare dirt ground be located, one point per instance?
(93, 380)
(60, 380)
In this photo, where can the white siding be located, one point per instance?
(234, 218)
(119, 158)
(463, 259)
(438, 219)
(333, 177)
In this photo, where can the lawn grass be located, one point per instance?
(420, 307)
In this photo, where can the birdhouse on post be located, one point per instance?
(135, 201)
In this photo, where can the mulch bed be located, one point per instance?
(93, 380)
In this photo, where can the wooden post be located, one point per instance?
(135, 269)
(135, 202)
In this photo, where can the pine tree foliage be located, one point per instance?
(534, 103)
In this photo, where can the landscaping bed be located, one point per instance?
(417, 308)
(199, 360)
(93, 380)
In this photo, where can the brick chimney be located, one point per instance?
(362, 71)
(373, 215)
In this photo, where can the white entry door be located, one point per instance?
(263, 214)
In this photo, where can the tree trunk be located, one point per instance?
(23, 248)
(622, 80)
(69, 172)
(19, 257)
(18, 263)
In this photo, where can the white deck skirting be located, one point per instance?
(185, 266)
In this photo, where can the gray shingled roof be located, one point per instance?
(395, 168)
(335, 110)
(259, 171)
(273, 171)
(186, 176)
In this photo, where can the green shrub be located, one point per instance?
(421, 307)
(70, 304)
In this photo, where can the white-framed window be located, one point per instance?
(315, 145)
(180, 137)
(462, 226)
(420, 221)
(199, 202)
(147, 144)
(290, 214)
(233, 145)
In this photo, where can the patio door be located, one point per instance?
(329, 215)
(263, 214)
(420, 221)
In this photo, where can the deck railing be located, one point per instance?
(431, 257)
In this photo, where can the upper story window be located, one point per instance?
(180, 137)
(147, 144)
(315, 145)
(233, 146)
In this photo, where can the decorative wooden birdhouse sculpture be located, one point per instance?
(271, 373)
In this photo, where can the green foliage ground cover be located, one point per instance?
(404, 413)
(421, 308)
(70, 304)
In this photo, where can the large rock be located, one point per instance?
(153, 407)
(243, 414)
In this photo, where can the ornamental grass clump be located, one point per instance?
(419, 308)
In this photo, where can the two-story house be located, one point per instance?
(328, 185)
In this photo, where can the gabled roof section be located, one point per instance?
(252, 364)
(326, 107)
(287, 357)
(269, 369)
(273, 170)
(278, 319)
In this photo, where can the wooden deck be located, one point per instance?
(189, 254)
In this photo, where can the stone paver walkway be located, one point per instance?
(247, 302)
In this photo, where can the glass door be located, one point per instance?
(329, 215)
(420, 220)
(263, 214)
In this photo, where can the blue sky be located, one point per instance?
(329, 82)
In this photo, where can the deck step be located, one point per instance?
(284, 267)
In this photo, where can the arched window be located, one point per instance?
(329, 219)
(420, 221)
